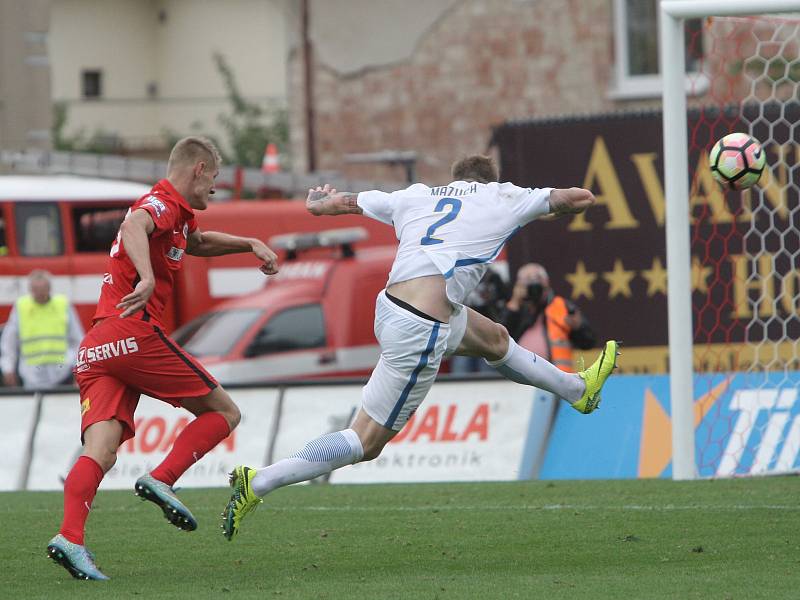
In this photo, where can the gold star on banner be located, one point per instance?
(581, 281)
(700, 275)
(656, 278)
(619, 280)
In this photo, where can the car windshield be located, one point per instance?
(215, 333)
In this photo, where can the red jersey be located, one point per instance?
(174, 221)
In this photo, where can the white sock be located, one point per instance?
(523, 366)
(319, 456)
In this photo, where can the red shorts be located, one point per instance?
(119, 359)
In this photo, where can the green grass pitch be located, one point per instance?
(600, 539)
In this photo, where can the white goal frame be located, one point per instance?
(676, 191)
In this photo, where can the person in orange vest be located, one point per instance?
(543, 322)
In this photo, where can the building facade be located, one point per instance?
(435, 76)
(137, 73)
(25, 114)
(430, 78)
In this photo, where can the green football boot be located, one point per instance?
(595, 377)
(243, 500)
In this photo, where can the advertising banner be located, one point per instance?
(744, 425)
(57, 443)
(474, 431)
(611, 260)
(309, 412)
(16, 426)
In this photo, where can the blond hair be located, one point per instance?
(191, 150)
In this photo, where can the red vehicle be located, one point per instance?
(314, 319)
(67, 224)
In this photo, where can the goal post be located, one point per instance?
(678, 224)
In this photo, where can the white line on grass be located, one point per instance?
(98, 504)
(533, 507)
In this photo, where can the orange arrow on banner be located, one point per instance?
(655, 449)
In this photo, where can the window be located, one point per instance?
(292, 329)
(215, 333)
(92, 83)
(636, 50)
(39, 229)
(96, 227)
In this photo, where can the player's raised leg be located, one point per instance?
(318, 457)
(216, 416)
(101, 441)
(412, 347)
(364, 440)
(485, 338)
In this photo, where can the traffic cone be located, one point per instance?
(270, 164)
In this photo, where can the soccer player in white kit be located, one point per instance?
(448, 237)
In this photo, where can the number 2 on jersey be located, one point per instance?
(455, 207)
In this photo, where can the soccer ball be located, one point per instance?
(737, 161)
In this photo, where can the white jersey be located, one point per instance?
(454, 230)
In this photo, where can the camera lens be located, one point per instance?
(535, 291)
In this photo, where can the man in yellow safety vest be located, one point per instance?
(41, 337)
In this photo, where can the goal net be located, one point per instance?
(743, 75)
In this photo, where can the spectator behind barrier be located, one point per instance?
(543, 322)
(40, 340)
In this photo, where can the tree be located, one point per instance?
(249, 126)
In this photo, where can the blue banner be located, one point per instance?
(744, 424)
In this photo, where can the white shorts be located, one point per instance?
(412, 348)
(458, 327)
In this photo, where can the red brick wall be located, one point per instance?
(482, 63)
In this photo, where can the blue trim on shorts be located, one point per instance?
(463, 262)
(423, 361)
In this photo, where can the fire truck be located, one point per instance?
(314, 319)
(66, 225)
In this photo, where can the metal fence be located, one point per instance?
(237, 179)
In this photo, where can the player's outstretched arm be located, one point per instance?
(570, 201)
(216, 243)
(324, 200)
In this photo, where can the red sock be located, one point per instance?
(200, 436)
(79, 489)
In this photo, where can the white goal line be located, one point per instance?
(537, 507)
(98, 507)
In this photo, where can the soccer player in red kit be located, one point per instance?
(126, 352)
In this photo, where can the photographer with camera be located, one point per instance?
(543, 322)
